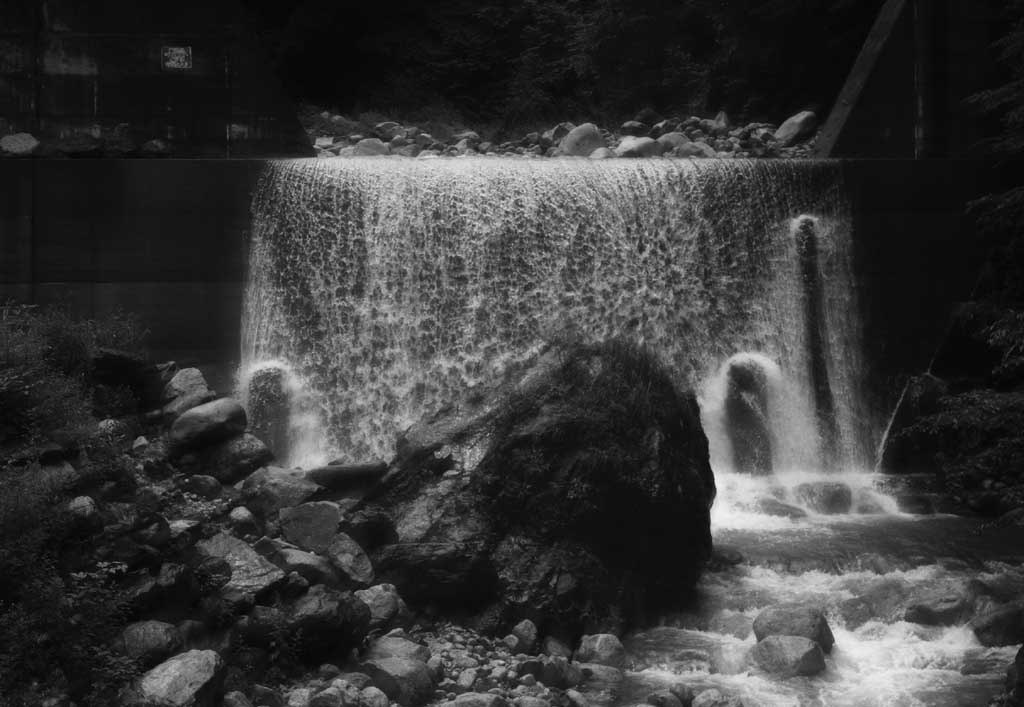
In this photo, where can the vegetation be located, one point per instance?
(58, 617)
(551, 60)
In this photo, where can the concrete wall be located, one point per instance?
(917, 254)
(915, 99)
(167, 240)
(102, 68)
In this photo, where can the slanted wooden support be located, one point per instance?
(859, 75)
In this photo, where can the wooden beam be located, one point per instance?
(858, 78)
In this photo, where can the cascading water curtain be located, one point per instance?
(388, 287)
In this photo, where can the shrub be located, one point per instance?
(57, 622)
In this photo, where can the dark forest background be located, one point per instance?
(530, 61)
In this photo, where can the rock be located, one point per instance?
(395, 647)
(555, 135)
(249, 572)
(664, 698)
(150, 642)
(268, 404)
(262, 627)
(371, 528)
(480, 699)
(262, 695)
(388, 130)
(270, 489)
(243, 521)
(85, 512)
(300, 697)
(555, 647)
(346, 554)
(557, 553)
(191, 679)
(794, 620)
(1003, 626)
(331, 697)
(327, 623)
(404, 680)
(560, 673)
(345, 477)
(525, 633)
(386, 606)
(373, 697)
(207, 423)
(796, 127)
(825, 497)
(639, 147)
(236, 458)
(186, 390)
(867, 502)
(602, 649)
(697, 148)
(634, 128)
(670, 141)
(938, 606)
(747, 415)
(236, 699)
(581, 141)
(602, 153)
(311, 526)
(311, 567)
(203, 486)
(714, 698)
(775, 507)
(18, 144)
(601, 680)
(471, 138)
(788, 656)
(370, 147)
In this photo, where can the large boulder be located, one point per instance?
(396, 647)
(191, 679)
(406, 681)
(639, 147)
(186, 390)
(312, 526)
(149, 642)
(788, 656)
(578, 487)
(747, 414)
(370, 147)
(236, 458)
(326, 623)
(794, 620)
(270, 489)
(268, 404)
(1002, 626)
(796, 128)
(602, 649)
(828, 497)
(386, 606)
(250, 573)
(581, 141)
(207, 423)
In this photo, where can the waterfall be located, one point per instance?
(389, 287)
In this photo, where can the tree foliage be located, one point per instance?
(556, 59)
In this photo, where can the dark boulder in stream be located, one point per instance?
(575, 493)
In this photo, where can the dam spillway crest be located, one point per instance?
(386, 289)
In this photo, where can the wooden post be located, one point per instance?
(859, 75)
